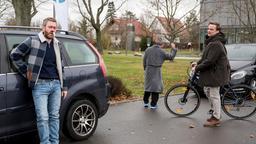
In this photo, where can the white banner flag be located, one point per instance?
(61, 13)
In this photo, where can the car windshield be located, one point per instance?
(241, 51)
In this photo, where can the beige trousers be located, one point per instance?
(213, 94)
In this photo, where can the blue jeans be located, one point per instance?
(47, 99)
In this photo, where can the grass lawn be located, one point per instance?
(129, 69)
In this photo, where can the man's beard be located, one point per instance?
(49, 35)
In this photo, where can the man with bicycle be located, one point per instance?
(214, 70)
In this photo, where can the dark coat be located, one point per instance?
(153, 59)
(214, 65)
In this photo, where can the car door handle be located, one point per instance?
(1, 89)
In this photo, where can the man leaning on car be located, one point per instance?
(44, 71)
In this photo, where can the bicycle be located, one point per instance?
(237, 101)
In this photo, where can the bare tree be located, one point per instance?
(86, 11)
(25, 10)
(129, 15)
(245, 10)
(111, 12)
(192, 24)
(146, 20)
(73, 26)
(85, 28)
(82, 27)
(10, 21)
(169, 9)
(4, 6)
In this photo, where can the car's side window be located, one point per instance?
(12, 42)
(79, 53)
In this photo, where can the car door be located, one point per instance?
(19, 102)
(83, 63)
(2, 104)
(2, 92)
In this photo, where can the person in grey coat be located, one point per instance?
(214, 70)
(153, 59)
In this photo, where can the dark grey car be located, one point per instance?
(88, 89)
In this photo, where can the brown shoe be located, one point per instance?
(213, 122)
(210, 119)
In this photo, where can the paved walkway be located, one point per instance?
(130, 123)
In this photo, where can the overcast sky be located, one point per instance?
(136, 6)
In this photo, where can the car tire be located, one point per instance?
(81, 120)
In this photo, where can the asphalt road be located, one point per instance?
(130, 123)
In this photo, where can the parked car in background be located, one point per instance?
(88, 88)
(242, 58)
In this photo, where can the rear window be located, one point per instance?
(79, 52)
(241, 52)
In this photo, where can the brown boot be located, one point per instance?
(210, 119)
(212, 122)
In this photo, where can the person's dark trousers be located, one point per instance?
(146, 97)
(154, 98)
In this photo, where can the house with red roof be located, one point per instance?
(120, 29)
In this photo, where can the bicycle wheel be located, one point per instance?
(178, 105)
(239, 102)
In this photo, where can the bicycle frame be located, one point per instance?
(191, 83)
(223, 89)
(233, 98)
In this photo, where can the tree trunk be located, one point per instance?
(98, 40)
(22, 10)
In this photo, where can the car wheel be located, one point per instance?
(81, 120)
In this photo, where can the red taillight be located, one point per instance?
(103, 67)
(101, 61)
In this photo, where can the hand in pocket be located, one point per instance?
(29, 75)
